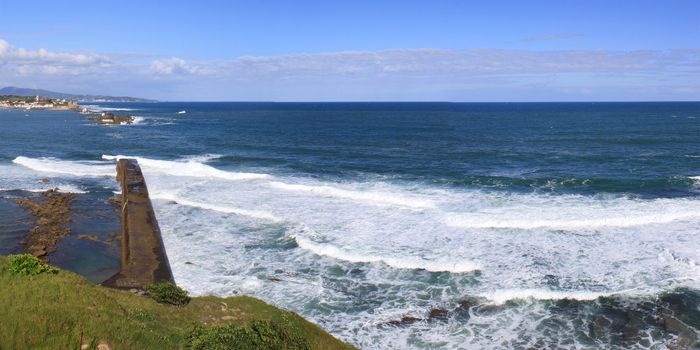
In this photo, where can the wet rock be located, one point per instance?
(109, 118)
(52, 212)
(404, 321)
(437, 314)
(39, 253)
(95, 239)
(45, 180)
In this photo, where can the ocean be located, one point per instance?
(400, 225)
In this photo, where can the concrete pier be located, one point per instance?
(143, 257)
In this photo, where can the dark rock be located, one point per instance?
(437, 314)
(406, 320)
(52, 213)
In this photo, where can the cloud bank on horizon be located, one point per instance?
(411, 74)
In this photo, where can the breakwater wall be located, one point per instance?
(143, 257)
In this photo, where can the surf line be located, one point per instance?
(143, 257)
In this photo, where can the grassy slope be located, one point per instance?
(50, 311)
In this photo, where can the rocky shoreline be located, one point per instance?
(52, 213)
(44, 103)
(107, 118)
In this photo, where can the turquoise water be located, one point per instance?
(499, 225)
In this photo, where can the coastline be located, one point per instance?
(65, 311)
(221, 243)
(49, 104)
(144, 262)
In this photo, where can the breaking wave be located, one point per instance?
(66, 167)
(189, 168)
(368, 196)
(332, 251)
(220, 208)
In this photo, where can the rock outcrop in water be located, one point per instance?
(111, 119)
(52, 211)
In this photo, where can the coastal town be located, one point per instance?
(37, 102)
(56, 104)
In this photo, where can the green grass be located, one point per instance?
(52, 310)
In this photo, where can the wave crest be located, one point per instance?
(189, 168)
(258, 214)
(66, 167)
(325, 249)
(372, 197)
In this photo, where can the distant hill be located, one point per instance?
(15, 91)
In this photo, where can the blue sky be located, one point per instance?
(356, 50)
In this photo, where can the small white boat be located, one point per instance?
(182, 112)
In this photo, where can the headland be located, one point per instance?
(58, 104)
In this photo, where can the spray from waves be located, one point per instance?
(525, 224)
(138, 120)
(203, 157)
(325, 249)
(373, 197)
(223, 209)
(577, 213)
(98, 108)
(696, 180)
(500, 297)
(189, 168)
(66, 167)
(60, 188)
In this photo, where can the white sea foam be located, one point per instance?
(98, 108)
(502, 296)
(562, 212)
(189, 168)
(373, 197)
(399, 263)
(220, 208)
(60, 188)
(591, 246)
(479, 221)
(138, 120)
(65, 167)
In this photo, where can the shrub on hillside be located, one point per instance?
(28, 265)
(168, 293)
(258, 335)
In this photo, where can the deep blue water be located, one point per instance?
(375, 211)
(647, 149)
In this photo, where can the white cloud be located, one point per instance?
(398, 74)
(176, 65)
(12, 55)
